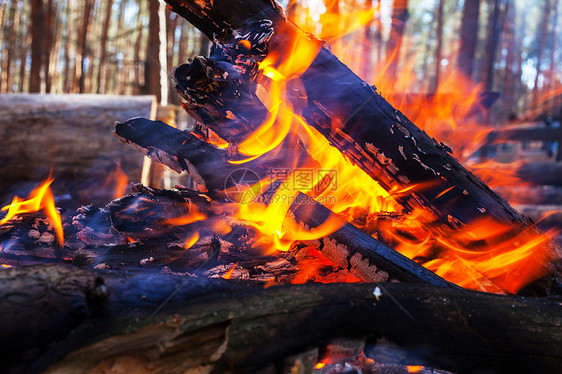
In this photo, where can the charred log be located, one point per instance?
(352, 115)
(348, 247)
(86, 320)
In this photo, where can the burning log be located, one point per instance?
(348, 247)
(352, 115)
(86, 320)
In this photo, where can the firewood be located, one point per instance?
(350, 113)
(348, 247)
(68, 135)
(63, 319)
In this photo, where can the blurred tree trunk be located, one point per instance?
(10, 29)
(542, 34)
(118, 77)
(509, 79)
(83, 44)
(204, 45)
(495, 24)
(50, 35)
(171, 27)
(151, 64)
(438, 47)
(67, 45)
(551, 71)
(137, 52)
(468, 37)
(3, 42)
(55, 52)
(366, 44)
(38, 31)
(25, 42)
(378, 32)
(394, 44)
(102, 71)
(182, 48)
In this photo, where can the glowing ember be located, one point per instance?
(119, 180)
(228, 274)
(414, 368)
(41, 198)
(191, 241)
(319, 365)
(193, 215)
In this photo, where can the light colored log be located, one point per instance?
(70, 135)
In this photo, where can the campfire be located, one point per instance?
(320, 230)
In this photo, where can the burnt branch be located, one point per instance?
(348, 247)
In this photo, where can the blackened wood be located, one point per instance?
(381, 140)
(75, 320)
(178, 150)
(353, 249)
(348, 247)
(358, 121)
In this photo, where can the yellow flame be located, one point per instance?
(40, 198)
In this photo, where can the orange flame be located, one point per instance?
(319, 365)
(228, 274)
(414, 368)
(485, 255)
(38, 199)
(191, 241)
(193, 215)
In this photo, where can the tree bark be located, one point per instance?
(508, 96)
(10, 29)
(25, 43)
(67, 45)
(50, 36)
(468, 37)
(495, 23)
(173, 324)
(137, 53)
(552, 70)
